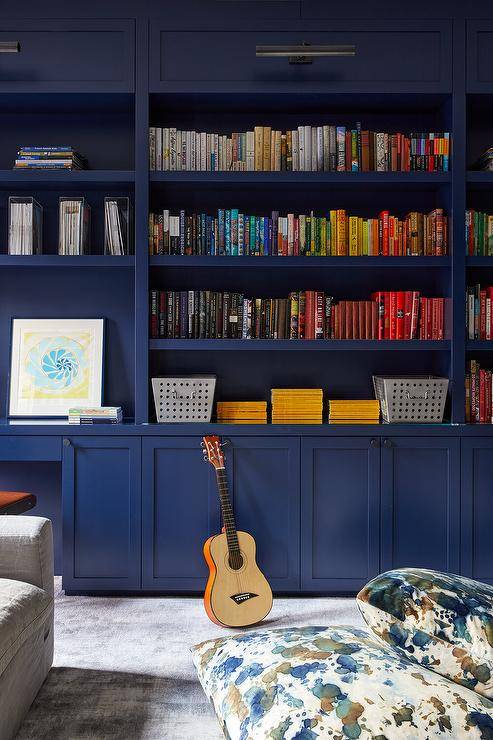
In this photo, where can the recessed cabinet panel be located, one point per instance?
(477, 508)
(340, 512)
(480, 56)
(69, 55)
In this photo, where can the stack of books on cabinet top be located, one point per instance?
(303, 149)
(49, 158)
(297, 405)
(242, 412)
(333, 234)
(98, 415)
(354, 412)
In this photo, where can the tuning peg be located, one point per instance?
(225, 443)
(202, 444)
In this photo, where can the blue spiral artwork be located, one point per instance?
(56, 364)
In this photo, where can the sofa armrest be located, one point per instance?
(26, 550)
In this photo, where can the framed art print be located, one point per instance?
(55, 364)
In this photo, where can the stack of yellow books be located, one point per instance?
(297, 405)
(242, 412)
(354, 412)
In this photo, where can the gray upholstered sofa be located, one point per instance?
(26, 615)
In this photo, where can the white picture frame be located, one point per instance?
(55, 364)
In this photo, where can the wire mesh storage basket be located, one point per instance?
(184, 398)
(418, 399)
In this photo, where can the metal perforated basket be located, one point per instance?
(184, 398)
(418, 399)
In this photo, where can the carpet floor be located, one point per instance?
(122, 666)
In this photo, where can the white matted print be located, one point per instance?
(55, 364)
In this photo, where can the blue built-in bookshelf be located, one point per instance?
(133, 503)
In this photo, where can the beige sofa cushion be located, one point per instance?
(23, 609)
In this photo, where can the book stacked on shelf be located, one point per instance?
(354, 412)
(478, 394)
(98, 415)
(326, 148)
(335, 234)
(485, 161)
(74, 226)
(116, 226)
(310, 314)
(25, 226)
(241, 412)
(49, 158)
(297, 405)
(479, 320)
(479, 233)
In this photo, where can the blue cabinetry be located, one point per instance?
(101, 513)
(420, 503)
(340, 512)
(477, 508)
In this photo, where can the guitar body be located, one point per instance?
(235, 597)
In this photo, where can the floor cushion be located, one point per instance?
(331, 682)
(442, 621)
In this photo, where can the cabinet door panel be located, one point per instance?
(180, 511)
(477, 509)
(340, 512)
(479, 55)
(264, 479)
(101, 513)
(420, 503)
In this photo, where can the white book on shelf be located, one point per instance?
(296, 150)
(159, 150)
(320, 148)
(178, 150)
(308, 147)
(166, 158)
(203, 151)
(250, 151)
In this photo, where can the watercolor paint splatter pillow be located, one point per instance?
(442, 621)
(331, 682)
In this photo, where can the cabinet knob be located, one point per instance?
(66, 442)
(387, 443)
(373, 442)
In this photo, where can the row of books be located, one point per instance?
(74, 226)
(49, 158)
(337, 233)
(324, 148)
(479, 383)
(354, 411)
(308, 314)
(241, 412)
(25, 226)
(99, 415)
(479, 233)
(479, 318)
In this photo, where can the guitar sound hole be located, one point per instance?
(235, 560)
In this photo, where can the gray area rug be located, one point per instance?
(123, 670)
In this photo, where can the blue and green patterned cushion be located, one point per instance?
(331, 683)
(442, 621)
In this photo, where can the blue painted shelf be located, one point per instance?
(31, 178)
(297, 345)
(479, 261)
(261, 263)
(352, 179)
(480, 178)
(477, 345)
(64, 261)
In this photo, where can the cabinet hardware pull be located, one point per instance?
(373, 442)
(387, 443)
(9, 47)
(66, 442)
(304, 53)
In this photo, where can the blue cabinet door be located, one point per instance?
(477, 508)
(339, 513)
(420, 503)
(101, 481)
(264, 477)
(180, 511)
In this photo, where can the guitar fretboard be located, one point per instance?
(227, 511)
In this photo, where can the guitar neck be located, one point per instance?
(227, 511)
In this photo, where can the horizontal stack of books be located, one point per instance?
(242, 412)
(335, 234)
(304, 149)
(354, 412)
(99, 415)
(478, 394)
(49, 158)
(310, 314)
(479, 233)
(479, 316)
(485, 161)
(297, 405)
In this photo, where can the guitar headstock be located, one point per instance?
(213, 452)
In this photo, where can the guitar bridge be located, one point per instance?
(245, 596)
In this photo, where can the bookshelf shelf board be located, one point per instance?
(30, 178)
(296, 345)
(179, 261)
(351, 179)
(56, 260)
(477, 345)
(480, 178)
(479, 261)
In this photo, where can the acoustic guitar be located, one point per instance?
(237, 593)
